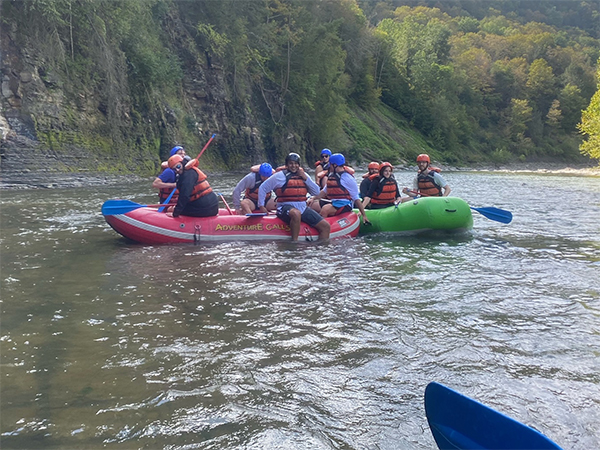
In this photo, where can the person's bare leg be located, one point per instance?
(295, 219)
(323, 228)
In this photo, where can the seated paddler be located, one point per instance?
(196, 197)
(291, 185)
(249, 185)
(383, 191)
(341, 190)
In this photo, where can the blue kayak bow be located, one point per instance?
(458, 422)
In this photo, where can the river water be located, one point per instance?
(107, 344)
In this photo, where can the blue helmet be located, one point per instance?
(337, 159)
(175, 149)
(265, 170)
(326, 151)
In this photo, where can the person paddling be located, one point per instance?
(250, 185)
(291, 186)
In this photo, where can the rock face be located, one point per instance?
(50, 122)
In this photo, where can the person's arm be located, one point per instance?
(166, 180)
(241, 187)
(398, 198)
(187, 181)
(313, 188)
(160, 184)
(441, 182)
(318, 170)
(372, 190)
(270, 184)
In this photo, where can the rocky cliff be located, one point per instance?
(53, 121)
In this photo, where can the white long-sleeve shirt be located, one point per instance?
(247, 182)
(277, 180)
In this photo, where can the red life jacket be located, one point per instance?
(252, 193)
(201, 188)
(386, 192)
(335, 190)
(294, 189)
(427, 186)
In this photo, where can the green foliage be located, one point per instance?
(476, 80)
(590, 124)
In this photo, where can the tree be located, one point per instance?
(590, 124)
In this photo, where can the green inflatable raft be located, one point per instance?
(421, 215)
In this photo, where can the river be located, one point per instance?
(107, 344)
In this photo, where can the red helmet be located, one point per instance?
(384, 165)
(373, 165)
(423, 157)
(174, 160)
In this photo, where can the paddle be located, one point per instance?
(256, 214)
(115, 207)
(497, 214)
(198, 157)
(226, 205)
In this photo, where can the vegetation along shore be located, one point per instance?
(110, 87)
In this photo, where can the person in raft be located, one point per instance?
(291, 186)
(322, 166)
(249, 185)
(365, 184)
(341, 190)
(384, 191)
(196, 197)
(166, 181)
(428, 182)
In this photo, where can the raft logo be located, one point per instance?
(343, 222)
(255, 227)
(278, 226)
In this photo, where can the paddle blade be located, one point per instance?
(497, 214)
(256, 214)
(115, 207)
(459, 422)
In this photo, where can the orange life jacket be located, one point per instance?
(335, 190)
(427, 186)
(294, 189)
(201, 188)
(388, 188)
(324, 166)
(252, 193)
(163, 195)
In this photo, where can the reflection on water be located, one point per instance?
(305, 346)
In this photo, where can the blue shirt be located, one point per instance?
(168, 176)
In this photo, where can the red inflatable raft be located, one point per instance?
(144, 224)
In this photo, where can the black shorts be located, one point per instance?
(309, 216)
(343, 209)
